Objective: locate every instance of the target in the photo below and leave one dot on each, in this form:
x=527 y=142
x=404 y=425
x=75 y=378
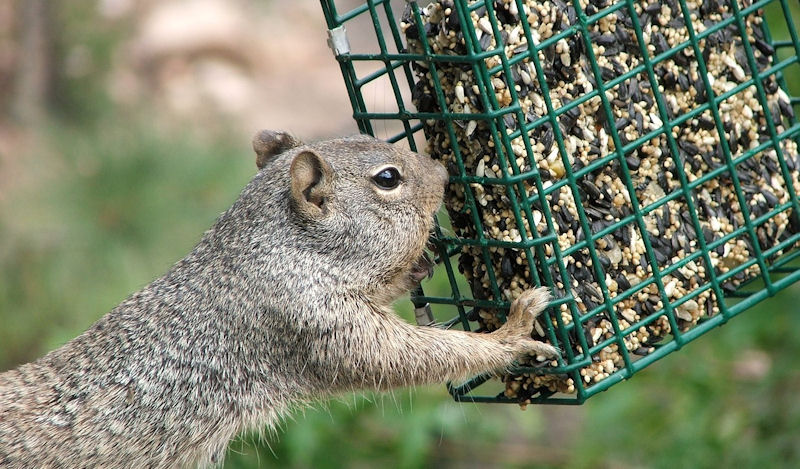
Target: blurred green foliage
x=115 y=204
x=118 y=197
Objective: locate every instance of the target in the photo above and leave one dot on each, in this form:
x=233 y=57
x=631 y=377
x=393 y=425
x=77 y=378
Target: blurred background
x=125 y=130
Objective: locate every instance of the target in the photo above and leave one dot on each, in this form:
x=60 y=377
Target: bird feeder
x=638 y=158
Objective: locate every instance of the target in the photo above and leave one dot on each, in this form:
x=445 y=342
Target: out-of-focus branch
x=33 y=77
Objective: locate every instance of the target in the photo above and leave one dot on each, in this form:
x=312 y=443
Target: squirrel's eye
x=387 y=178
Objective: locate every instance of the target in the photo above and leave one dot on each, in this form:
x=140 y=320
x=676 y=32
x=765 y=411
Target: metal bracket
x=337 y=41
x=424 y=315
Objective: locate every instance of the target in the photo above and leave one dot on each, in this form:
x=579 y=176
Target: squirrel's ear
x=269 y=143
x=311 y=183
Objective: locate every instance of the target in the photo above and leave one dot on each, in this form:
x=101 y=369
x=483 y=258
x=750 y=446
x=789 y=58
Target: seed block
x=625 y=156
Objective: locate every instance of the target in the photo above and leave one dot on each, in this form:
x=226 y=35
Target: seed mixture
x=604 y=194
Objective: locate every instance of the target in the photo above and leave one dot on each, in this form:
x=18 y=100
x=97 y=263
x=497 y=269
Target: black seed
x=506 y=267
x=734 y=146
x=709 y=160
x=662 y=224
x=786 y=108
x=606 y=200
x=571 y=15
x=477 y=287
x=764 y=47
x=520 y=49
x=772 y=200
x=502 y=13
x=683 y=81
x=681 y=59
x=622 y=36
x=582 y=275
x=593 y=292
x=503 y=37
x=510 y=121
x=452 y=21
x=659 y=41
x=770 y=85
x=644 y=19
x=579 y=234
x=622 y=281
x=591 y=189
x=547 y=140
x=486 y=41
x=668 y=79
x=705 y=123
x=633 y=90
x=423 y=100
x=661 y=255
x=688 y=147
x=677 y=22
x=639 y=123
x=593 y=213
x=699 y=86
x=708 y=7
x=412 y=32
x=771 y=166
x=574 y=112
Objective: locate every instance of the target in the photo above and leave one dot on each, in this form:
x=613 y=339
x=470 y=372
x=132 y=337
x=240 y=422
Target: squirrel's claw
x=520 y=319
x=535 y=347
x=422 y=268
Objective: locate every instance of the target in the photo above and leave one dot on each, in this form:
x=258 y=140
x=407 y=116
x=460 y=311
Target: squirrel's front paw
x=422 y=268
x=519 y=324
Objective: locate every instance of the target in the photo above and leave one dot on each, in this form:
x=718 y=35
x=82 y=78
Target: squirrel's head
x=362 y=201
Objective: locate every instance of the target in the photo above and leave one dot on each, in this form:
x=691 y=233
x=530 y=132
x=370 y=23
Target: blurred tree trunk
x=34 y=71
x=8 y=52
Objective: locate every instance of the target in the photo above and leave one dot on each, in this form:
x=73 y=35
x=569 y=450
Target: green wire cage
x=640 y=159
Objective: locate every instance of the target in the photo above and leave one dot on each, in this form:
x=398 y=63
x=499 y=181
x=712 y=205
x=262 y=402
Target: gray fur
x=275 y=306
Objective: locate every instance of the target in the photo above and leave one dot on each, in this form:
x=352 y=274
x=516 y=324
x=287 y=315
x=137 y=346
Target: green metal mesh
x=388 y=63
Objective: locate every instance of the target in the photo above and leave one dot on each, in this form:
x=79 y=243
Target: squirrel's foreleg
x=403 y=355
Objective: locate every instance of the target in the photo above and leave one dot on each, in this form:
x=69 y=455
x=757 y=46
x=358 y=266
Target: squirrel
x=285 y=300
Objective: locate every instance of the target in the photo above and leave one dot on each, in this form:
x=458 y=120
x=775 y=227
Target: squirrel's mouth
x=422 y=268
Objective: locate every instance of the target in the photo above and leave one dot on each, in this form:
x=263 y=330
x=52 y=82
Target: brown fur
x=286 y=299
